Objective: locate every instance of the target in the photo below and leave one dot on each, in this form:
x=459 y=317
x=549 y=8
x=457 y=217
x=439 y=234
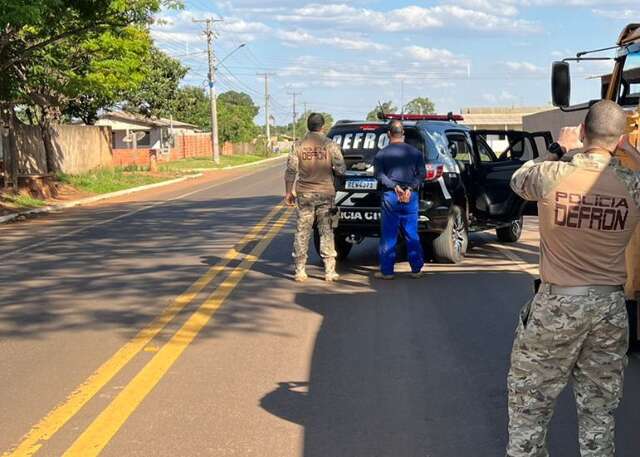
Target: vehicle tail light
x=434 y=172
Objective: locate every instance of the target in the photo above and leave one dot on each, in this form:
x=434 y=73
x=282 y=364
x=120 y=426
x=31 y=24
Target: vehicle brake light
x=425 y=117
x=434 y=172
x=370 y=127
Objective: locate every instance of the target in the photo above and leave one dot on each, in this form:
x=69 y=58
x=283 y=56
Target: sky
x=344 y=57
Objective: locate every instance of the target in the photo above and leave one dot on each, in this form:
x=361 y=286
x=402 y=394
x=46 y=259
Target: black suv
x=466 y=186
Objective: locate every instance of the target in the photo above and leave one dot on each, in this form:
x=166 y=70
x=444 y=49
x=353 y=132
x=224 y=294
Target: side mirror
x=561 y=84
x=453 y=149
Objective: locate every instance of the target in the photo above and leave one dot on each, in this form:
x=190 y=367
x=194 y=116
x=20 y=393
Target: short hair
x=396 y=128
x=605 y=123
x=315 y=122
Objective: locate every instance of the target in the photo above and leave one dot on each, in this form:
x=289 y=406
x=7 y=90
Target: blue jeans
x=401 y=217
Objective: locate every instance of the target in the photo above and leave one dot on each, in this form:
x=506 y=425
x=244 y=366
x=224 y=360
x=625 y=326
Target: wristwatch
x=557 y=149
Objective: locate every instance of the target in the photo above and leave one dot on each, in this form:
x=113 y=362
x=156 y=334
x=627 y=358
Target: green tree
x=387 y=107
x=116 y=66
x=420 y=105
x=50 y=49
x=158 y=92
x=236 y=113
x=192 y=105
x=301 y=124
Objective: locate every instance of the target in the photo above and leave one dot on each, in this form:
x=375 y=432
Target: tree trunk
x=47 y=139
x=11 y=154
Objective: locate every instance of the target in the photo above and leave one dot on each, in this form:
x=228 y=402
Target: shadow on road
x=119 y=275
x=418 y=368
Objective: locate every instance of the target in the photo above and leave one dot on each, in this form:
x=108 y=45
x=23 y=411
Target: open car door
x=497 y=155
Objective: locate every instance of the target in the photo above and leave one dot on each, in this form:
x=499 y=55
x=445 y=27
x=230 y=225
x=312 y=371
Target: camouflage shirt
x=314 y=160
x=588 y=210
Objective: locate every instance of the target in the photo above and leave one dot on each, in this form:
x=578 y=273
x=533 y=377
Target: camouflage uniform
x=311 y=208
x=314 y=160
x=582 y=338
x=559 y=338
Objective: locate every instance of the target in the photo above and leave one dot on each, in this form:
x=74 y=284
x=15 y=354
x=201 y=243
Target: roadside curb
x=96 y=198
x=235 y=167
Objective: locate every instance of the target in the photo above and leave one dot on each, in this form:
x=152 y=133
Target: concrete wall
x=77 y=149
x=80 y=148
x=83 y=148
x=553 y=121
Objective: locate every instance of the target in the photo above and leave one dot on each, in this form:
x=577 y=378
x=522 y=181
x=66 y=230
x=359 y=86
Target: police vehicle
x=466 y=185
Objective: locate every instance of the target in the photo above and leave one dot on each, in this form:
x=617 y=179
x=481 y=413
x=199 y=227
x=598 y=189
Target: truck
x=622 y=86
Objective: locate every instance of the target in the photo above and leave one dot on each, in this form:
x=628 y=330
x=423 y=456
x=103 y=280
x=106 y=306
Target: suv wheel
x=342 y=247
x=511 y=233
x=451 y=245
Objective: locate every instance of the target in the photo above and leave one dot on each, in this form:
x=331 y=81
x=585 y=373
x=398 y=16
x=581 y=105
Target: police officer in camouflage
x=314 y=160
x=575 y=328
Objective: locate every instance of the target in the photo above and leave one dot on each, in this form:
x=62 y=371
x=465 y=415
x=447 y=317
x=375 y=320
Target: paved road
x=136 y=329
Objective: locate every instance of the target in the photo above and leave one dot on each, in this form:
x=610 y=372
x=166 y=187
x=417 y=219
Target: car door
x=494 y=199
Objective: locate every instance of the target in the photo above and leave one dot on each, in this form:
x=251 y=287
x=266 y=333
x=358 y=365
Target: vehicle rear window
x=364 y=142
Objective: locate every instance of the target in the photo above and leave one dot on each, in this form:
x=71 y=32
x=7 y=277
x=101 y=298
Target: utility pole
x=402 y=98
x=266 y=106
x=294 y=94
x=210 y=34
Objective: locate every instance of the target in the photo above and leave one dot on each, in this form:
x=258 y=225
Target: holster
x=334 y=215
x=536 y=285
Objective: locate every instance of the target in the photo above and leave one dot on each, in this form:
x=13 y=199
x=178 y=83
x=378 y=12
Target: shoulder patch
x=631 y=181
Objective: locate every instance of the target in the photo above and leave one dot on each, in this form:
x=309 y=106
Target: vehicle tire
x=511 y=233
x=342 y=247
x=451 y=245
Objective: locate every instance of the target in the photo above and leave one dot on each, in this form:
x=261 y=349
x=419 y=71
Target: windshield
x=630 y=93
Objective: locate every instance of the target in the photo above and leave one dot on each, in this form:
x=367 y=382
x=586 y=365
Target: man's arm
x=420 y=171
x=290 y=174
x=337 y=160
x=537 y=178
x=380 y=174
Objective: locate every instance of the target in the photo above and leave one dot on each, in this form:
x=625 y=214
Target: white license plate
x=361 y=184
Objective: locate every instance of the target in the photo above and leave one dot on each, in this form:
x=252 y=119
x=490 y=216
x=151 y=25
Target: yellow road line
x=61 y=414
x=98 y=434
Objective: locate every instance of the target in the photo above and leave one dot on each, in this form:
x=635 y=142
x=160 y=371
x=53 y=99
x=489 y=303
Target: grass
x=112 y=180
x=195 y=163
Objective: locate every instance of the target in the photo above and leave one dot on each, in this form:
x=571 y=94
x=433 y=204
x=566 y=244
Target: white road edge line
x=122 y=216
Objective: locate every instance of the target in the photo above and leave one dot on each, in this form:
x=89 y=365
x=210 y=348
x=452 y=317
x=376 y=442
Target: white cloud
x=619 y=14
x=497 y=7
x=435 y=57
x=178 y=27
x=524 y=68
x=408 y=18
x=301 y=37
x=503 y=97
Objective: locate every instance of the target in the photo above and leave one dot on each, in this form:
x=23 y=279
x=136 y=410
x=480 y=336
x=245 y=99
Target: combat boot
x=330 y=274
x=301 y=274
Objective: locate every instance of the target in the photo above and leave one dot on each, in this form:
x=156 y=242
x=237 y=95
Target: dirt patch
x=37 y=193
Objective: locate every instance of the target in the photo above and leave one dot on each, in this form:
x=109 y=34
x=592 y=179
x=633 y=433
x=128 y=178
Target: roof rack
x=425 y=117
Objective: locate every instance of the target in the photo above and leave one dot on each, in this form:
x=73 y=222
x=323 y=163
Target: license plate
x=361 y=184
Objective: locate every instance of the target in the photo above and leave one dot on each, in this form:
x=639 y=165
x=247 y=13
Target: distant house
x=134 y=131
x=498 y=119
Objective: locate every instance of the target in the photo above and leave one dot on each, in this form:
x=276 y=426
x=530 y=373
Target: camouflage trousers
x=314 y=208
x=562 y=338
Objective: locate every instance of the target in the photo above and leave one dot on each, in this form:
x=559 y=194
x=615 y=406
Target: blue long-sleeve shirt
x=399 y=164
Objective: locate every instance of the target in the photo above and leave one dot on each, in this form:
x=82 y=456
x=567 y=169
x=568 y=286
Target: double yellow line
x=105 y=426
